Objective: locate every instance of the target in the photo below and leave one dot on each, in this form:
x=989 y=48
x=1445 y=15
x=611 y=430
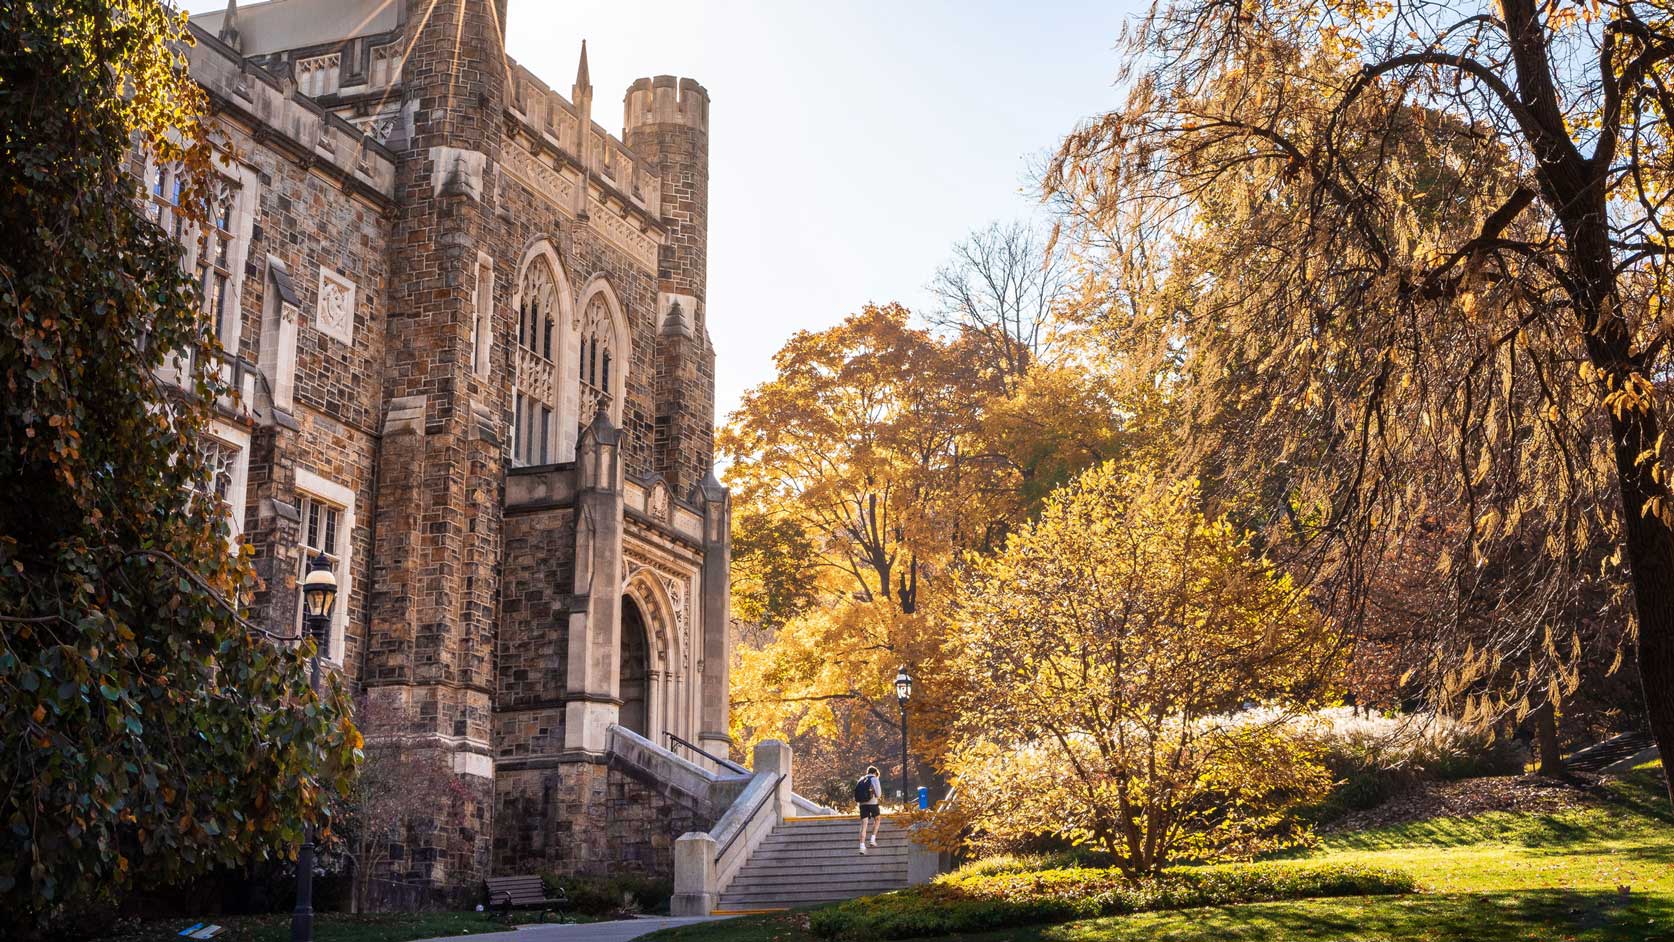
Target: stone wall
x=595 y=817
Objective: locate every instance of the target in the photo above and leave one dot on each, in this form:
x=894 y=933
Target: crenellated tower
x=666 y=120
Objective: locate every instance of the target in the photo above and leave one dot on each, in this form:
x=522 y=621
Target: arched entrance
x=635 y=670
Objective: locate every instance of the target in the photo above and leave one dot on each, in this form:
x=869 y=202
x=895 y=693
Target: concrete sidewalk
x=617 y=931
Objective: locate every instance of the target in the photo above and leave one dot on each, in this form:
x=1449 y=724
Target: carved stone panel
x=334 y=312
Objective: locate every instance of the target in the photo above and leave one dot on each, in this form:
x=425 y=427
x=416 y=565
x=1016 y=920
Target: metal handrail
x=750 y=816
x=725 y=763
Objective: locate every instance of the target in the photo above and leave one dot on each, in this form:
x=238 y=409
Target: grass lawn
x=1597 y=874
x=328 y=927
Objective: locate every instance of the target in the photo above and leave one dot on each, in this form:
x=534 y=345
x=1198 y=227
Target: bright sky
x=851 y=143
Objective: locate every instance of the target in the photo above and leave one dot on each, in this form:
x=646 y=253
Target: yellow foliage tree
x=879 y=454
x=1104 y=657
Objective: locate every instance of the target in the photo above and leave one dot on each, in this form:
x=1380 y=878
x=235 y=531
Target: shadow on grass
x=1487 y=917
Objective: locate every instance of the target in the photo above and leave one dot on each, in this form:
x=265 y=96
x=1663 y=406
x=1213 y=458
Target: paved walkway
x=617 y=931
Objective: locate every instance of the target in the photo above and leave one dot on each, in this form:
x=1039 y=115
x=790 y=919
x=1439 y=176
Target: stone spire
x=581 y=95
x=581 y=78
x=229 y=29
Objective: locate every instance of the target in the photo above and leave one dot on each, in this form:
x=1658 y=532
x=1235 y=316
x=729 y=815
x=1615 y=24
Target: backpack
x=863 y=791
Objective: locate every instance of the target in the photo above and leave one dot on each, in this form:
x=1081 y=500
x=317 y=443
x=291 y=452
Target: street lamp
x=319 y=594
x=903 y=693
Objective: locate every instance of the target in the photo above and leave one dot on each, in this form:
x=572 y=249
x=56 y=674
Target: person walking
x=868 y=792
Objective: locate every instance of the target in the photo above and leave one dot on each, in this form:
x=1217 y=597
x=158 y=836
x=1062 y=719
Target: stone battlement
x=294 y=121
x=666 y=100
x=553 y=117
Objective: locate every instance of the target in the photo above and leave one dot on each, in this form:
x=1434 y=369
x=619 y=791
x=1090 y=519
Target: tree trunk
x=1546 y=740
x=1650 y=552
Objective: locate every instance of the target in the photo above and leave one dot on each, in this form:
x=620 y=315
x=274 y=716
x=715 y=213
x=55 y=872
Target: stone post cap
x=772 y=755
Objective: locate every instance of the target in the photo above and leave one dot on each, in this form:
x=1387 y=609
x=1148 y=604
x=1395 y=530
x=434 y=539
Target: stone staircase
x=1599 y=756
x=814 y=860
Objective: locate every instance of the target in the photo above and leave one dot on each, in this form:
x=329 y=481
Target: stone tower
x=667 y=120
x=431 y=645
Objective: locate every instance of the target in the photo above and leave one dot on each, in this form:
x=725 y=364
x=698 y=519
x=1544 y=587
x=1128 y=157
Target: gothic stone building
x=468 y=323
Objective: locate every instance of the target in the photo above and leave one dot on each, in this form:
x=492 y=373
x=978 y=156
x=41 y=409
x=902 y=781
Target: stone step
x=792 y=853
x=827 y=879
x=804 y=895
x=814 y=868
x=781 y=900
x=889 y=821
x=829 y=840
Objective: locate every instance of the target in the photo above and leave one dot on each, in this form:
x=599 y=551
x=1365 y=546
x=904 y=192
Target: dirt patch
x=1531 y=794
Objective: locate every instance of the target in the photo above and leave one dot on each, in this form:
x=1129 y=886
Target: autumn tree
x=150 y=732
x=851 y=457
x=882 y=450
x=1419 y=248
x=1103 y=656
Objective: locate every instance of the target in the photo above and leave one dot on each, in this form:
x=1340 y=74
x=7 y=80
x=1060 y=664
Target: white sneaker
x=874 y=840
x=863 y=848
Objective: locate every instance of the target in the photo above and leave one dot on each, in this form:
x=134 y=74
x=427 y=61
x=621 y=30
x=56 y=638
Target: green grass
x=1493 y=878
x=1627 y=840
x=328 y=927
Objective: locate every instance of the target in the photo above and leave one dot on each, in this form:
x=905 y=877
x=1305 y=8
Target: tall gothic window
x=215 y=266
x=594 y=370
x=535 y=397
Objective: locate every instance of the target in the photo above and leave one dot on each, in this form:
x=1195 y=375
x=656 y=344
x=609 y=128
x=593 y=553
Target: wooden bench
x=523 y=892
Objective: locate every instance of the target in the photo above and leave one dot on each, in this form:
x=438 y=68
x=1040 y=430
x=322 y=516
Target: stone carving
x=656 y=502
x=676 y=584
x=536 y=175
x=516 y=159
x=334 y=313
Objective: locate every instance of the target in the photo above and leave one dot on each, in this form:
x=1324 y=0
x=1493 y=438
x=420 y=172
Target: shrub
x=1406 y=747
x=981 y=898
x=628 y=894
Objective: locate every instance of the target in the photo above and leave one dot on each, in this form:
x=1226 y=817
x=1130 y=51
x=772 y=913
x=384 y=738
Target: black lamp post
x=903 y=693
x=319 y=594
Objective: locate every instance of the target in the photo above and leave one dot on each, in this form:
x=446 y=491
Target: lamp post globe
x=319 y=596
x=903 y=693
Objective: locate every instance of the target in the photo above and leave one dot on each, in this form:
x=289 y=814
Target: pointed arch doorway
x=634 y=670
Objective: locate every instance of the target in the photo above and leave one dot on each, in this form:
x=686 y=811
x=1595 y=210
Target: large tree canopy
x=149 y=733
x=1405 y=260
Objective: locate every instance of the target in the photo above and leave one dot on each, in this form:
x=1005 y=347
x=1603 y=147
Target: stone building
x=468 y=324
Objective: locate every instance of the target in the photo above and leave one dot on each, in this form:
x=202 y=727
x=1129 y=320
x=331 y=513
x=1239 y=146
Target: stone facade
x=469 y=324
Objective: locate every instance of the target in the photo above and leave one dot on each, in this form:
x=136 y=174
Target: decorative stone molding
x=334 y=311
x=558 y=188
x=537 y=175
x=457 y=172
x=623 y=234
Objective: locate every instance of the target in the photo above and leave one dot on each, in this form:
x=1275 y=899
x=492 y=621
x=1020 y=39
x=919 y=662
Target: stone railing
x=706 y=861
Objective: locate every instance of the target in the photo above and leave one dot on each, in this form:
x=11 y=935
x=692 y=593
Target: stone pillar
x=592 y=685
x=715 y=617
x=923 y=863
x=429 y=649
x=773 y=756
x=695 y=892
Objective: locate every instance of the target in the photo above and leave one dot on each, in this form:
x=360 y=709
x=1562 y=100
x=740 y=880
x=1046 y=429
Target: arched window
x=537 y=312
x=594 y=370
x=535 y=396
